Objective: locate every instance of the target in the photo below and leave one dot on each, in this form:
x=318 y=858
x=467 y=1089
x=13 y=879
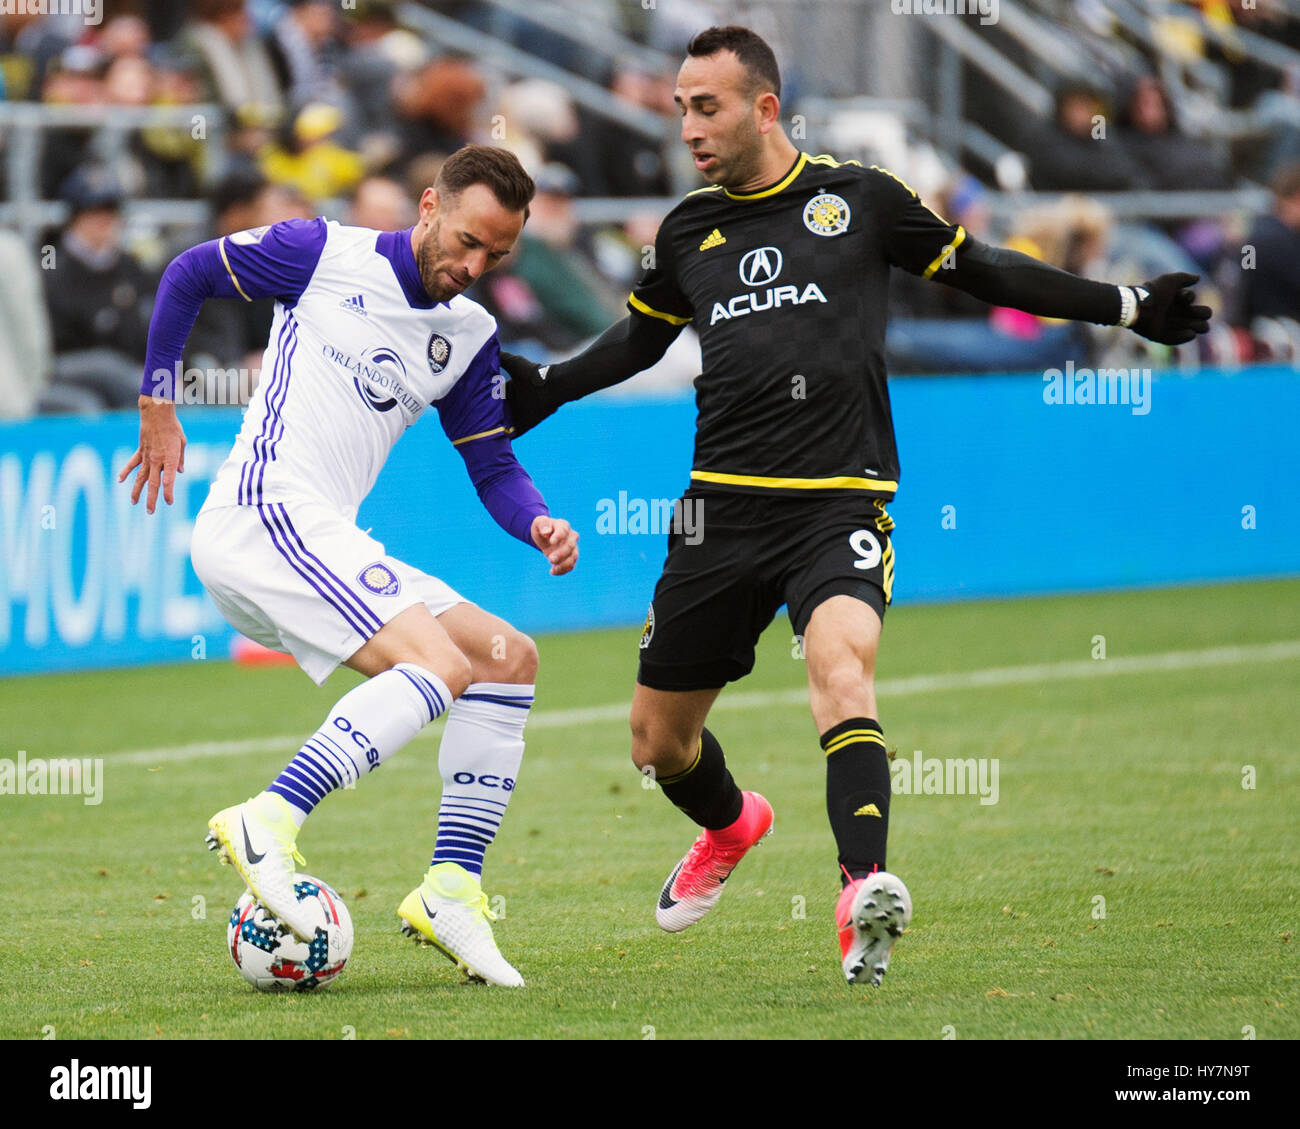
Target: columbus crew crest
x=826 y=214
x=648 y=631
x=439 y=353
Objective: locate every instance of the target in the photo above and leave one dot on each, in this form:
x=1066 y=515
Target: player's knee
x=455 y=670
x=843 y=682
x=656 y=746
x=518 y=660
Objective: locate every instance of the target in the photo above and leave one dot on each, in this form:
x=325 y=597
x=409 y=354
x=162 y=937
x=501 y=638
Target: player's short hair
x=498 y=169
x=749 y=47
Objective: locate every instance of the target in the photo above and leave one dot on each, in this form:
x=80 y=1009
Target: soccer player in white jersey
x=370 y=328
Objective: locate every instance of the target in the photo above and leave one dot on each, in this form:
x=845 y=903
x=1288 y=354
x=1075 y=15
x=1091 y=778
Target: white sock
x=479 y=758
x=366 y=727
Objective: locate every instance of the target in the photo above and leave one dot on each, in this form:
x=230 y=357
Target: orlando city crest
x=379 y=579
x=439 y=353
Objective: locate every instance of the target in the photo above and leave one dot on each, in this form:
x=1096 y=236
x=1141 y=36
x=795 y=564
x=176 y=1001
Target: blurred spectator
x=621 y=253
x=30 y=45
x=1168 y=159
x=172 y=158
x=159 y=161
x=383 y=204
x=302 y=49
x=24 y=331
x=540 y=120
x=437 y=106
x=75 y=79
x=613 y=160
x=423 y=172
x=548 y=291
x=99 y=297
x=377 y=48
x=1272 y=288
x=235 y=67
x=308 y=157
x=1080 y=150
x=124 y=37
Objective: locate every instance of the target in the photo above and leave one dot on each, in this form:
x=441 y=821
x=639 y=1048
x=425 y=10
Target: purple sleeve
x=266 y=262
x=473 y=415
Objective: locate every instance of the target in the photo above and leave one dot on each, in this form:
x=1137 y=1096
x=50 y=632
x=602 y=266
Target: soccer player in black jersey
x=782 y=265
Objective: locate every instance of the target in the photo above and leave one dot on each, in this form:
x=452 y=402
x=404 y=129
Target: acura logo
x=760 y=267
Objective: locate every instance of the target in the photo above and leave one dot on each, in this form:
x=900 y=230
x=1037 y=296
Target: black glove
x=1166 y=313
x=526 y=397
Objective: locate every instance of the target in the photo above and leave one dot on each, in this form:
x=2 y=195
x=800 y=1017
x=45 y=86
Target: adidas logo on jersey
x=356 y=304
x=715 y=238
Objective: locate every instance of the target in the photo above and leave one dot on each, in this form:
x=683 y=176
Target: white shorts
x=299 y=578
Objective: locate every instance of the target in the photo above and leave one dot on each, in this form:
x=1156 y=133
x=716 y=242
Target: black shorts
x=734 y=559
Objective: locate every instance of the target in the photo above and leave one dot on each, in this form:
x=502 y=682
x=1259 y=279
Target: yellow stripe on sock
x=699 y=752
x=852 y=737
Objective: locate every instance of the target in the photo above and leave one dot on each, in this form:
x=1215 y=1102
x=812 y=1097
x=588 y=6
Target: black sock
x=705 y=791
x=857 y=794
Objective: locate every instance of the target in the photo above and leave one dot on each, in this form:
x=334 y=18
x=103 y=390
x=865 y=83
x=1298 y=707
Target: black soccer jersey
x=787 y=288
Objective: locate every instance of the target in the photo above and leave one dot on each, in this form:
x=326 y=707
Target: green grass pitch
x=1136 y=877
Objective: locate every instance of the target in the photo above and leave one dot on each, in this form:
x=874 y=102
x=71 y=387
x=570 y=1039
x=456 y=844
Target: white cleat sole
x=880 y=912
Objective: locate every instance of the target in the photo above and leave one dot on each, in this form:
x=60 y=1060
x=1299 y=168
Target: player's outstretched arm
x=626 y=348
x=1162 y=310
x=267 y=262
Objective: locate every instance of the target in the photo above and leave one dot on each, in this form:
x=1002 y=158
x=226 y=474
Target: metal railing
x=591 y=33
x=590 y=95
x=23 y=128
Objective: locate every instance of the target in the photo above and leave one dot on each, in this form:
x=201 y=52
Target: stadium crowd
x=347 y=110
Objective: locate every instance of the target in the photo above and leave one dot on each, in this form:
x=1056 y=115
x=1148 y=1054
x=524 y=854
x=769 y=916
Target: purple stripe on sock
x=311 y=773
x=472 y=799
x=303 y=803
x=342 y=764
x=419 y=686
x=517 y=703
x=431 y=688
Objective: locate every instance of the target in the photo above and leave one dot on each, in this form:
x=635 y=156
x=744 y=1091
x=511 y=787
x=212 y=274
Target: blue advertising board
x=1009 y=487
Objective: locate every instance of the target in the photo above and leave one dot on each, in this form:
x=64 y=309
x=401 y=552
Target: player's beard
x=744 y=160
x=434 y=270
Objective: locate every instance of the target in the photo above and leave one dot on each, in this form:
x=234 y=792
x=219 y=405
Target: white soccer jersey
x=357 y=351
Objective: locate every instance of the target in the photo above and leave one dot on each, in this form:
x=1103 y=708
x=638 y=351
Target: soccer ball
x=273 y=959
